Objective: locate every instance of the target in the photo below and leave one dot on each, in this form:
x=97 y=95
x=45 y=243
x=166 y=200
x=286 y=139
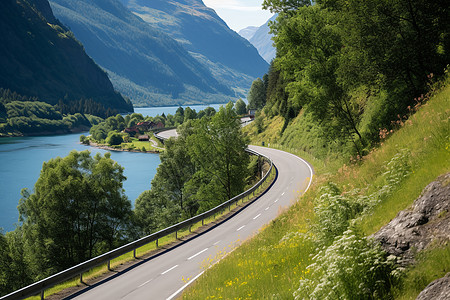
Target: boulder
x=426 y=222
x=437 y=290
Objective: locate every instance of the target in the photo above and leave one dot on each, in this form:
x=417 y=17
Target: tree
x=114 y=138
x=189 y=114
x=240 y=107
x=77 y=210
x=257 y=95
x=218 y=148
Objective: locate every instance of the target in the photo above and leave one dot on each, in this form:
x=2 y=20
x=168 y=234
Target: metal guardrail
x=78 y=270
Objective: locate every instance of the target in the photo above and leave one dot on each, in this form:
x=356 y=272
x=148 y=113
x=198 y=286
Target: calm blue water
x=154 y=111
x=21 y=161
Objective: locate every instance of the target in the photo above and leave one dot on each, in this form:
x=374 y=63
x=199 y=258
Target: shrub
x=351 y=268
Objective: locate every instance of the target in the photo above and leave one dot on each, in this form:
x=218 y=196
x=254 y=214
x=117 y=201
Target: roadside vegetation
x=319 y=247
x=359 y=91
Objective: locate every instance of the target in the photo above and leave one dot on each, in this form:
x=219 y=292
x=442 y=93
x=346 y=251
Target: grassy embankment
x=149 y=249
x=271 y=265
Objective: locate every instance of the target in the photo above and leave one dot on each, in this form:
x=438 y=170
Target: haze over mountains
x=40 y=58
x=163 y=53
x=261 y=38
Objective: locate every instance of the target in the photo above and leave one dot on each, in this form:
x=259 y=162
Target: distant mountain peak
x=261 y=38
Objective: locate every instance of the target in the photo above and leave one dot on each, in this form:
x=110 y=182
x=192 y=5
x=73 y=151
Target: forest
x=78 y=209
x=351 y=68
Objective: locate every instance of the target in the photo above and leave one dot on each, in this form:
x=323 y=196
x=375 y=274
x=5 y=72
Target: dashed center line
x=169 y=270
x=197 y=254
x=145 y=283
x=267 y=208
x=283 y=193
x=216 y=243
x=257 y=217
x=240 y=228
x=277 y=200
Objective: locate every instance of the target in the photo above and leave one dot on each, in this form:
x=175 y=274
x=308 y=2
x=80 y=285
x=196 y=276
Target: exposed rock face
x=437 y=290
x=427 y=221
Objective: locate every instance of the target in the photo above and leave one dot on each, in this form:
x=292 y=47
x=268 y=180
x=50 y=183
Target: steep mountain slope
x=261 y=38
x=248 y=32
x=232 y=59
x=40 y=58
x=144 y=63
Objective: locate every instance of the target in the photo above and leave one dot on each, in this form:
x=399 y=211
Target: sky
x=239 y=14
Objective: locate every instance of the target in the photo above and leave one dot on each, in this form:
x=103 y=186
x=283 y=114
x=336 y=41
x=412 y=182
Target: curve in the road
x=165 y=276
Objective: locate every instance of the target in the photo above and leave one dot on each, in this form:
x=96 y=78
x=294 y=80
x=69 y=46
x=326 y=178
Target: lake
x=21 y=161
x=154 y=111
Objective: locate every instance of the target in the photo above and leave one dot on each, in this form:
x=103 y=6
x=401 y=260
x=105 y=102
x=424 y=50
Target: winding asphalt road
x=165 y=276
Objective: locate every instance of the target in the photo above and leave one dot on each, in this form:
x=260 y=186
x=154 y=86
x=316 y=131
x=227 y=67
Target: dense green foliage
x=240 y=107
x=76 y=211
x=25 y=116
x=205 y=166
x=352 y=66
x=320 y=248
x=257 y=95
x=101 y=131
x=41 y=58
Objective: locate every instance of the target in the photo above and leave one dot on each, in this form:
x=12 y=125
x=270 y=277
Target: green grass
x=270 y=265
x=151 y=247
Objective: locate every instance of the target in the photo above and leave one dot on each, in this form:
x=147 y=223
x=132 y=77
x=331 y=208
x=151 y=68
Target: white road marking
x=267 y=208
x=169 y=270
x=184 y=286
x=276 y=200
x=216 y=243
x=283 y=194
x=240 y=228
x=197 y=254
x=257 y=217
x=145 y=283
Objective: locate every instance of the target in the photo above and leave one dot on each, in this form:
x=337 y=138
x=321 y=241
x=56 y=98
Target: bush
x=114 y=138
x=351 y=268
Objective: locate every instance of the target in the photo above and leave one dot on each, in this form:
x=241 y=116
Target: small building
x=144 y=138
x=146 y=126
x=252 y=113
x=131 y=130
x=160 y=125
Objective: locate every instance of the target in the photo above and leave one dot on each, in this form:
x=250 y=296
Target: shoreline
x=109 y=148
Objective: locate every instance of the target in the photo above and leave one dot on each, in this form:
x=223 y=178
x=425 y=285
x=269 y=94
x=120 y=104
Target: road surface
x=165 y=276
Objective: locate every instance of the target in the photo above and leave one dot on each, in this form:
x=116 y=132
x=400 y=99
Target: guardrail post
x=109 y=265
x=156 y=243
x=81 y=278
x=176 y=235
x=42 y=295
x=134 y=253
x=203 y=222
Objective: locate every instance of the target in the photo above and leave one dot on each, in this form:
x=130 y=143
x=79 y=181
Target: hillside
x=144 y=63
x=41 y=58
x=232 y=60
x=261 y=38
x=248 y=32
x=318 y=247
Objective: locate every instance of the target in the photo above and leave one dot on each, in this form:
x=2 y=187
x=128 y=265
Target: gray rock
x=437 y=290
x=414 y=229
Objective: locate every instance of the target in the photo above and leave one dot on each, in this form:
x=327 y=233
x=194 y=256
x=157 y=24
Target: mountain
x=231 y=58
x=40 y=58
x=262 y=40
x=248 y=32
x=144 y=63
